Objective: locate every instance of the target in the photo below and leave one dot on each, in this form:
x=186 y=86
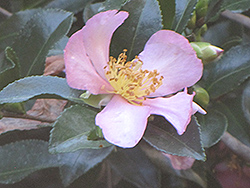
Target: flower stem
x=236 y=146
x=240 y=18
x=27 y=116
x=5 y=12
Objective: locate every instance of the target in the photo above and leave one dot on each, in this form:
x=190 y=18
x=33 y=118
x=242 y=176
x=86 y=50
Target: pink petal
x=122 y=123
x=97 y=34
x=176 y=109
x=197 y=108
x=80 y=72
x=172 y=55
x=180 y=162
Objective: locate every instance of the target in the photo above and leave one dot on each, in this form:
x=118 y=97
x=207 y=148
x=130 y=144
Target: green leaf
x=226 y=74
x=237 y=124
x=143 y=21
x=135 y=167
x=113 y=4
x=167 y=8
x=9 y=29
x=162 y=135
x=6 y=65
x=217 y=6
x=210 y=122
x=240 y=5
x=90 y=10
x=70 y=131
x=79 y=162
x=58 y=47
x=72 y=5
x=183 y=12
x=9 y=67
x=224 y=33
x=36 y=38
x=213 y=10
x=29 y=87
x=17 y=108
x=18 y=5
x=19 y=159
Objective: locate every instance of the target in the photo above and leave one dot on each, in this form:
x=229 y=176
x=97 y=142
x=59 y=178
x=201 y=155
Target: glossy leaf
x=135 y=167
x=20 y=159
x=213 y=125
x=240 y=5
x=6 y=65
x=18 y=5
x=113 y=4
x=36 y=38
x=79 y=162
x=237 y=125
x=91 y=9
x=72 y=5
x=9 y=28
x=217 y=6
x=213 y=10
x=58 y=47
x=183 y=12
x=167 y=8
x=29 y=87
x=71 y=130
x=143 y=21
x=226 y=74
x=9 y=67
x=225 y=34
x=161 y=135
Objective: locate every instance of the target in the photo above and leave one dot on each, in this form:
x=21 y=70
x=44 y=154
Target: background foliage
x=48 y=136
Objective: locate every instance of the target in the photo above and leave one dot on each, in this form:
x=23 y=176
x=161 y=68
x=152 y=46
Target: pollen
x=129 y=80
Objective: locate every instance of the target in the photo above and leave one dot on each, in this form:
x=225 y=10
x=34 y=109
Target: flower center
x=129 y=80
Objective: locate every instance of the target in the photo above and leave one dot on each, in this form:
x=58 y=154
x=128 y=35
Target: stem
x=240 y=18
x=5 y=12
x=236 y=146
x=27 y=116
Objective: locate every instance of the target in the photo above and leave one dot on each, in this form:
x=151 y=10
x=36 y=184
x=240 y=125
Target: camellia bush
x=125 y=93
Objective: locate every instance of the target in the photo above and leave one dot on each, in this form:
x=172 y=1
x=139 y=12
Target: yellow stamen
x=129 y=80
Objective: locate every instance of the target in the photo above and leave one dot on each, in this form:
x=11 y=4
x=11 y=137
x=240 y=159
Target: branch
x=236 y=146
x=27 y=116
x=5 y=12
x=240 y=18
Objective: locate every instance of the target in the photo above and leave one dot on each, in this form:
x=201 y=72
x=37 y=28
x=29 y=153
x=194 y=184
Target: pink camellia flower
x=167 y=64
